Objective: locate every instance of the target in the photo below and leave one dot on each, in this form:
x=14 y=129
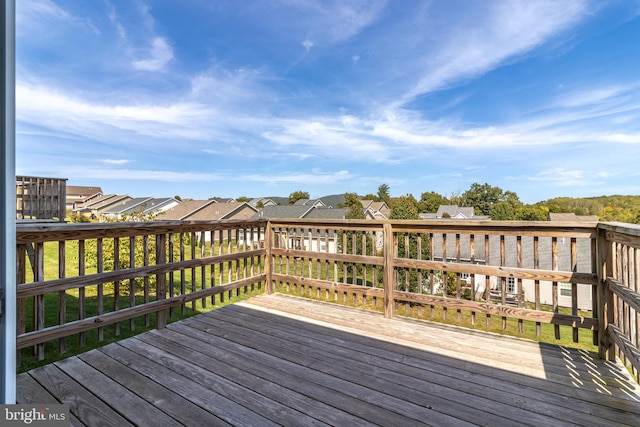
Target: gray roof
x=184 y=209
x=571 y=217
x=454 y=211
x=334 y=201
x=327 y=213
x=264 y=200
x=309 y=202
x=286 y=211
x=125 y=206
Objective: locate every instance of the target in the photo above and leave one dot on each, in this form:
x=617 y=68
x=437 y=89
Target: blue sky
x=203 y=98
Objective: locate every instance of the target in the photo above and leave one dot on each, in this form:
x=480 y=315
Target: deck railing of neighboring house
x=40 y=198
x=571 y=278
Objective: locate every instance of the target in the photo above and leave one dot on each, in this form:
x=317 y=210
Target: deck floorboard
x=282 y=360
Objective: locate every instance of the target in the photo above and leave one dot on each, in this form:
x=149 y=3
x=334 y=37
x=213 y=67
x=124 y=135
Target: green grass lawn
x=127 y=294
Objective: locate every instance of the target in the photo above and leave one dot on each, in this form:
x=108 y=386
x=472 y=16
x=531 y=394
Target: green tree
x=178 y=198
x=534 y=213
x=483 y=197
x=404 y=207
x=243 y=199
x=297 y=195
x=504 y=211
x=352 y=201
x=431 y=201
x=383 y=194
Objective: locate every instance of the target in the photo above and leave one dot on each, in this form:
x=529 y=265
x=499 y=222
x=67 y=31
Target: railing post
x=268 y=259
x=606 y=349
x=161 y=279
x=388 y=270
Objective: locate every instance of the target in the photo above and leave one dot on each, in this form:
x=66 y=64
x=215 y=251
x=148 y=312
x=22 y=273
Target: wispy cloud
x=156 y=58
x=314 y=178
x=496 y=36
x=115 y=161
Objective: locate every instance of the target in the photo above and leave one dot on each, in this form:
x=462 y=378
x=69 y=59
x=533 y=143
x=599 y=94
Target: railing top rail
x=39 y=232
x=27 y=177
x=446 y=223
x=621 y=227
x=538 y=228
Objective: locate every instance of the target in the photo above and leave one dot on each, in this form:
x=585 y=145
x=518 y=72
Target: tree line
x=495 y=203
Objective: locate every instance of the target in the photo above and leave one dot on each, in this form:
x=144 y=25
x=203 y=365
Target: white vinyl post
x=7 y=204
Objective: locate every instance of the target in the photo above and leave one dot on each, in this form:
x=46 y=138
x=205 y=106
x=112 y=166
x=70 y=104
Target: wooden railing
x=123 y=272
x=539 y=272
x=575 y=281
x=620 y=300
x=40 y=198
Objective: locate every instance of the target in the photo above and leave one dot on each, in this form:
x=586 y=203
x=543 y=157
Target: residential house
x=96 y=207
x=144 y=205
x=375 y=210
x=184 y=209
x=261 y=202
x=210 y=210
x=572 y=217
x=528 y=259
x=224 y=199
x=304 y=239
x=454 y=212
x=78 y=195
x=316 y=203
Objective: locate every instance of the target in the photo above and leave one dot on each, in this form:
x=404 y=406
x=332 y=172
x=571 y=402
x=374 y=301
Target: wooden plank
x=550 y=391
x=182 y=364
x=135 y=409
x=420 y=402
x=359 y=348
x=327 y=388
x=450 y=341
x=259 y=378
x=175 y=405
x=30 y=233
x=30 y=391
x=302 y=379
x=82 y=402
x=224 y=407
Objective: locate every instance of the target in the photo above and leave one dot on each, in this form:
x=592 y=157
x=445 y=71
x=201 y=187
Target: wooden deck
x=280 y=360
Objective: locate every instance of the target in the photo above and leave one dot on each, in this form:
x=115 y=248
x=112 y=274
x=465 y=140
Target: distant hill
x=335 y=200
x=606 y=208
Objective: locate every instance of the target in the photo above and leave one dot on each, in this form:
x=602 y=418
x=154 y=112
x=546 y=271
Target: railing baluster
x=100 y=292
x=116 y=283
x=62 y=295
x=81 y=290
x=132 y=281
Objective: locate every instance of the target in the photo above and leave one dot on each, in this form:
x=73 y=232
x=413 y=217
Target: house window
x=323 y=246
x=565 y=289
x=511 y=285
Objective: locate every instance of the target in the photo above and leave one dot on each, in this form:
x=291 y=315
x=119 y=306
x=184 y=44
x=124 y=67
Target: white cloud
x=500 y=33
x=560 y=177
x=157 y=58
x=35 y=16
x=314 y=178
x=115 y=161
